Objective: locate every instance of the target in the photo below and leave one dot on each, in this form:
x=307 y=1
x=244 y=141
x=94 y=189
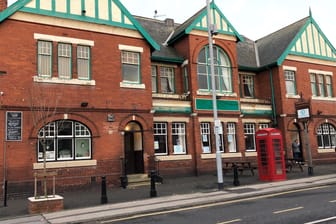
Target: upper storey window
x=222 y=73
x=63 y=60
x=130 y=66
x=321 y=85
x=44 y=58
x=290 y=82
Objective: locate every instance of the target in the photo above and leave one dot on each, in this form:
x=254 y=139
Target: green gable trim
x=138 y=26
x=310 y=42
x=223 y=24
x=52 y=12
x=222 y=105
x=162 y=109
x=199 y=22
x=12 y=9
x=166 y=59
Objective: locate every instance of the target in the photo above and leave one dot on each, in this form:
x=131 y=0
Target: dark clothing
x=296 y=151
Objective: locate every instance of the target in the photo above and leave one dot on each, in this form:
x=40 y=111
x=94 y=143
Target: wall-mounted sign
x=303 y=110
x=13 y=126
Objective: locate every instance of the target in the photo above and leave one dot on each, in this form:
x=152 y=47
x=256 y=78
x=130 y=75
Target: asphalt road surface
x=305 y=206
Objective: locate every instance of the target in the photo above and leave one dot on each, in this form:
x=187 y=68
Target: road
x=309 y=206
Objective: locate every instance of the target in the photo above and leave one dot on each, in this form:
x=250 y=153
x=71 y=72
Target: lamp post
x=218 y=128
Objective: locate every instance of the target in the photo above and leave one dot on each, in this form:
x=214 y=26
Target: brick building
x=106 y=93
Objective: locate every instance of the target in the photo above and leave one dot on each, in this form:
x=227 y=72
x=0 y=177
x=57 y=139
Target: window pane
x=64 y=128
x=62 y=141
x=82 y=148
x=64 y=148
x=178 y=137
x=44 y=58
x=202 y=77
x=160 y=138
x=64 y=61
x=205 y=137
x=222 y=67
x=290 y=82
x=328 y=86
x=48 y=145
x=313 y=84
x=248 y=86
x=154 y=79
x=130 y=66
x=167 y=80
x=83 y=62
x=249 y=132
x=231 y=132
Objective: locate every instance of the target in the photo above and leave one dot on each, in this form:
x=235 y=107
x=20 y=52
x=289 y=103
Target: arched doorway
x=133 y=148
x=295 y=134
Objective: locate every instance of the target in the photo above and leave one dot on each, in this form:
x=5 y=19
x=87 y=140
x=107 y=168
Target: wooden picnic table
x=241 y=166
x=292 y=163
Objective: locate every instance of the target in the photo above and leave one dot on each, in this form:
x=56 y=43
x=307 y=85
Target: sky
x=251 y=18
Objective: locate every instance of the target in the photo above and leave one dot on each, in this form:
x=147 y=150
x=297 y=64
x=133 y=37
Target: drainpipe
x=275 y=123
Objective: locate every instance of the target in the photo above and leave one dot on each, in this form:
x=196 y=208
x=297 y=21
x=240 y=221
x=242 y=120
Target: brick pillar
x=3 y=5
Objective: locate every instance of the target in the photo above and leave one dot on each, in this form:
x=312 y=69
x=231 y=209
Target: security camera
x=213 y=29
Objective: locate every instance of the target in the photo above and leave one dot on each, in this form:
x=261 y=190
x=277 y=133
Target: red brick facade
x=3 y=5
x=121 y=117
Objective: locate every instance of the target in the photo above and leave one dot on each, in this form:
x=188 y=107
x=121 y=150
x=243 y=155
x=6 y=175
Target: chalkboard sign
x=13 y=126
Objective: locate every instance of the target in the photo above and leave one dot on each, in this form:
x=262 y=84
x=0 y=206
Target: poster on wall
x=13 y=126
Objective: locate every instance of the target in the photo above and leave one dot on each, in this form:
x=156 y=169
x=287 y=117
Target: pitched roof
x=160 y=32
x=271 y=47
x=247 y=56
x=199 y=22
x=302 y=38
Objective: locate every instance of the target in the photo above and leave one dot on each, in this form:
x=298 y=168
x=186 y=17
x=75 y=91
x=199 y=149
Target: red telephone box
x=271 y=160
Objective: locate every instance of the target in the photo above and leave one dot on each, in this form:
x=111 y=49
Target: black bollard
x=103 y=198
x=310 y=171
x=153 y=192
x=235 y=175
x=5 y=193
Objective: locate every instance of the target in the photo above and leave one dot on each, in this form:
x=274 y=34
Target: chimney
x=3 y=5
x=169 y=22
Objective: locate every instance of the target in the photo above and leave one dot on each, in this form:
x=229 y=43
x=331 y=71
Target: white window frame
x=231 y=135
x=326 y=131
x=160 y=129
x=205 y=137
x=249 y=133
x=83 y=62
x=179 y=138
x=52 y=133
x=44 y=58
x=167 y=79
x=290 y=82
x=130 y=59
x=64 y=51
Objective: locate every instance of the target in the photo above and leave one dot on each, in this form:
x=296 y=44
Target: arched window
x=326 y=136
x=223 y=73
x=64 y=140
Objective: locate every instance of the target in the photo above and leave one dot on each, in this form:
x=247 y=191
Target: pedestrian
x=296 y=150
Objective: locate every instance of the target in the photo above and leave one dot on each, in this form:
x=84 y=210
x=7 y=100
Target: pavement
x=85 y=205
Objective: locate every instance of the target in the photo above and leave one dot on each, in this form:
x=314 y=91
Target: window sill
x=132 y=85
x=65 y=164
x=327 y=150
x=56 y=80
x=173 y=157
x=208 y=93
x=323 y=98
x=292 y=96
